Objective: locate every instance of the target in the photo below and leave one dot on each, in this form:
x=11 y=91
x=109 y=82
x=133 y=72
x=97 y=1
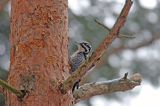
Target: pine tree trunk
x=39 y=52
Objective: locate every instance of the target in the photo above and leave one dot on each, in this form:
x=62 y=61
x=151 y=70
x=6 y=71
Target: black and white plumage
x=78 y=58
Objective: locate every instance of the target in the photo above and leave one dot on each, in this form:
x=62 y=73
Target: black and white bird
x=78 y=58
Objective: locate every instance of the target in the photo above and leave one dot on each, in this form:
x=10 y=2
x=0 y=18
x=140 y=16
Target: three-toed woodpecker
x=78 y=58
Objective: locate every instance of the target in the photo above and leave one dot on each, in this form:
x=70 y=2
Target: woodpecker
x=78 y=58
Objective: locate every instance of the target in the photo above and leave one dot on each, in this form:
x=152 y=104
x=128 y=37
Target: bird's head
x=84 y=47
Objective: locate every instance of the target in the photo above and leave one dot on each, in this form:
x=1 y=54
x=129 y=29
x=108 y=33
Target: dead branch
x=97 y=88
x=5 y=85
x=120 y=35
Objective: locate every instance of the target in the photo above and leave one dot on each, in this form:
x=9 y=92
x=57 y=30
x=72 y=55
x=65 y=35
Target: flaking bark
x=39 y=52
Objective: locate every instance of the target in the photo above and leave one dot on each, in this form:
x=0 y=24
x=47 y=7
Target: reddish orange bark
x=39 y=52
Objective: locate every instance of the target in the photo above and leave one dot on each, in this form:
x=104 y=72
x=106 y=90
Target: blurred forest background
x=140 y=54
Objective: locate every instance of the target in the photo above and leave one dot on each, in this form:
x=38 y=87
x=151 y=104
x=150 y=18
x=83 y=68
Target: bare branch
x=95 y=57
x=97 y=88
x=102 y=25
x=120 y=35
x=5 y=85
x=122 y=47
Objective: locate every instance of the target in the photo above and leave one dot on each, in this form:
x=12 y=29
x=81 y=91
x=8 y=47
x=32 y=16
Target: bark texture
x=39 y=52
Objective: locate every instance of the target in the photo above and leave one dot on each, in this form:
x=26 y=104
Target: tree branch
x=5 y=85
x=97 y=88
x=95 y=57
x=122 y=47
x=120 y=35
